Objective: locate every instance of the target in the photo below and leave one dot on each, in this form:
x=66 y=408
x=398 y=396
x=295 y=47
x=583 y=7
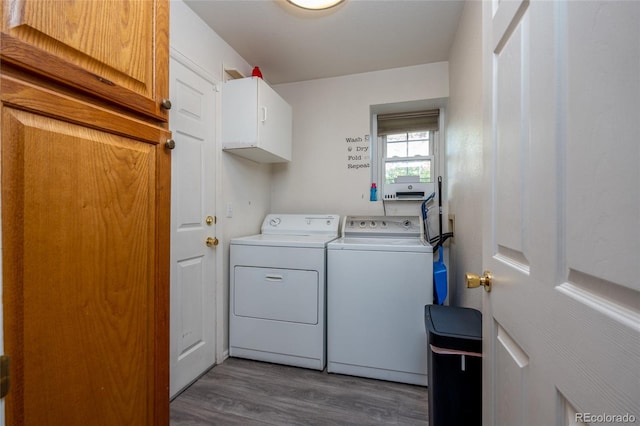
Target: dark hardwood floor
x=244 y=392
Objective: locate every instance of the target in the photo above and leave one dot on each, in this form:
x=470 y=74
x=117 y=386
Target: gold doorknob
x=211 y=241
x=474 y=280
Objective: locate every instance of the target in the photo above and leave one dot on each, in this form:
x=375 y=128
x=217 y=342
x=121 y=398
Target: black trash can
x=454 y=365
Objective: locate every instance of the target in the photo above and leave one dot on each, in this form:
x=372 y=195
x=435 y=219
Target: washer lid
x=381 y=244
x=272 y=240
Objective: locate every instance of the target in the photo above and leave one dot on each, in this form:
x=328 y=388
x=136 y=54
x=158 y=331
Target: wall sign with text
x=358 y=152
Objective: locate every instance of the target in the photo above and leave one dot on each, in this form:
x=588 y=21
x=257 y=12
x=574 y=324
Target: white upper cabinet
x=256 y=121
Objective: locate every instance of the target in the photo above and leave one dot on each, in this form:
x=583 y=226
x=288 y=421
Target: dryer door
x=276 y=294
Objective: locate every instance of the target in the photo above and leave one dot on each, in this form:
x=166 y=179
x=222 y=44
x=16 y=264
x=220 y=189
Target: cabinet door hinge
x=4 y=375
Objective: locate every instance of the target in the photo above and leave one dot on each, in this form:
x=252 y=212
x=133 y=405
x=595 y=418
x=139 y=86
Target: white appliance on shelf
x=278 y=290
x=410 y=191
x=380 y=277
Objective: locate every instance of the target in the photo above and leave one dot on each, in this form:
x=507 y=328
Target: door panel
x=511 y=379
x=192 y=262
x=602 y=153
x=189 y=284
x=507 y=232
x=103 y=47
x=80 y=298
x=511 y=149
x=562 y=211
x=600 y=289
x=189 y=177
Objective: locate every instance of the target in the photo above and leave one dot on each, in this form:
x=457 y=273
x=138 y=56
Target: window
x=407 y=146
x=408 y=154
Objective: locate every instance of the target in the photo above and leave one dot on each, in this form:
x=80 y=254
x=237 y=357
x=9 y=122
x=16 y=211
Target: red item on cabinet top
x=256 y=72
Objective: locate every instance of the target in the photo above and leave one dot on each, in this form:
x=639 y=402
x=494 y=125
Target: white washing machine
x=278 y=290
x=380 y=277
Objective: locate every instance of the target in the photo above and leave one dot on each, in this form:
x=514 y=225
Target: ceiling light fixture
x=315 y=4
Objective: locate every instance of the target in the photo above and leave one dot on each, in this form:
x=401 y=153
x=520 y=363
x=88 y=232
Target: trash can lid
x=453 y=327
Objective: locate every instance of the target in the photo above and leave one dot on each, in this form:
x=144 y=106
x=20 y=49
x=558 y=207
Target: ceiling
x=290 y=44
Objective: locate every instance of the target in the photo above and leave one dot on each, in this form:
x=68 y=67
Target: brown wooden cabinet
x=116 y=50
x=85 y=199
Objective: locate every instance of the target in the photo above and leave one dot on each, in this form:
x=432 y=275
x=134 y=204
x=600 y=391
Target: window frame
x=377 y=148
x=408 y=159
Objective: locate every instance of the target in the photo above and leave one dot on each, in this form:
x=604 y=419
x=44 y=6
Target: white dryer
x=278 y=290
x=380 y=279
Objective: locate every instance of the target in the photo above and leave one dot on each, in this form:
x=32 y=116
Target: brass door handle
x=211 y=241
x=474 y=280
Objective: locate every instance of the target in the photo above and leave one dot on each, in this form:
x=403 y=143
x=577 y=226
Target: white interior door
x=561 y=224
x=192 y=121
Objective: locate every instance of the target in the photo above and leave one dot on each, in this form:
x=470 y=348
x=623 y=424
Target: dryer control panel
x=382 y=226
x=301 y=224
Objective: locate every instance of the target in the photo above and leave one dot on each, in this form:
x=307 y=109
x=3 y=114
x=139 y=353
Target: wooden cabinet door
x=116 y=50
x=85 y=214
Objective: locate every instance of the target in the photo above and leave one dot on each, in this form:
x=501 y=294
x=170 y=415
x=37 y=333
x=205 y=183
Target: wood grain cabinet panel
x=85 y=211
x=115 y=50
x=85 y=193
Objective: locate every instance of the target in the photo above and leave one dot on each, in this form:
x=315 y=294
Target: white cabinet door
x=256 y=121
x=240 y=114
x=274 y=122
x=561 y=225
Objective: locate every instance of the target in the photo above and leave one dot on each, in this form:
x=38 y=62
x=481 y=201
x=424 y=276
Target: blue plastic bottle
x=374 y=192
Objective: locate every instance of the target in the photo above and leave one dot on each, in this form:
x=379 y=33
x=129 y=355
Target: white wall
x=325 y=113
x=464 y=155
x=241 y=184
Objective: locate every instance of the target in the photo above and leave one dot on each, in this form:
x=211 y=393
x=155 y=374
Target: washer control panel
x=382 y=226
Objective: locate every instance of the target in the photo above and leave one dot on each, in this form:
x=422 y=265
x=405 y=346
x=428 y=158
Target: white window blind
x=408 y=122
